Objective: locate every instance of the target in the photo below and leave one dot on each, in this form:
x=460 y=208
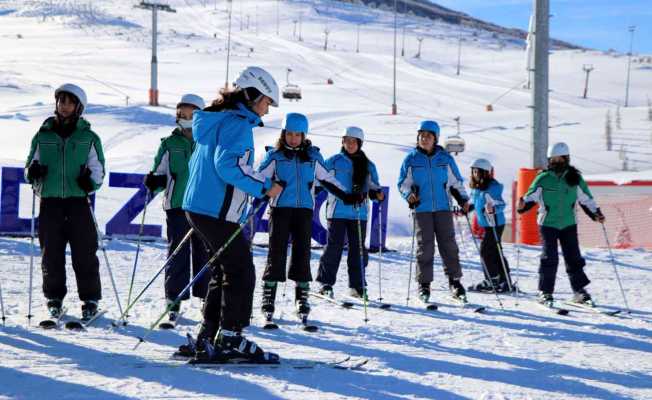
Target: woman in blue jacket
x=427 y=176
x=221 y=179
x=300 y=165
x=358 y=174
x=487 y=197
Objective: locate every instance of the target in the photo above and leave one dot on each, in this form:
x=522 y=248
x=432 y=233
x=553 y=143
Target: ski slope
x=521 y=352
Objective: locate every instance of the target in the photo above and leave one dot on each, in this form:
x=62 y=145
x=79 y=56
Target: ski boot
x=424 y=292
x=207 y=333
x=231 y=346
x=582 y=297
x=301 y=299
x=173 y=314
x=89 y=310
x=545 y=299
x=358 y=293
x=457 y=290
x=486 y=286
x=54 y=308
x=269 y=297
x=326 y=290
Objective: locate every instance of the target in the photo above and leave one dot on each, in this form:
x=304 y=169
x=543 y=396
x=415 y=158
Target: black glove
x=355 y=198
x=375 y=194
x=153 y=182
x=36 y=171
x=84 y=179
x=413 y=204
x=526 y=208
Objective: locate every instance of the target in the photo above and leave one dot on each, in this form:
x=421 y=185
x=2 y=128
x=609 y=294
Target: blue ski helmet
x=430 y=126
x=295 y=122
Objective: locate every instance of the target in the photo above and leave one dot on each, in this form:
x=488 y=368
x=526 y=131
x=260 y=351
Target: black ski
x=552 y=308
x=463 y=302
x=428 y=305
x=341 y=303
x=370 y=303
x=80 y=325
x=53 y=323
x=269 y=323
x=305 y=325
x=170 y=324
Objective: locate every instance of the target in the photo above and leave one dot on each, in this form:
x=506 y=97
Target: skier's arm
x=157 y=179
x=231 y=163
x=33 y=169
x=328 y=181
x=95 y=163
x=586 y=201
x=268 y=166
x=456 y=184
x=375 y=190
x=406 y=182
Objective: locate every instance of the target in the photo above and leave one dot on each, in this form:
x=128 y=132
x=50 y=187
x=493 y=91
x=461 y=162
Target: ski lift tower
x=155 y=7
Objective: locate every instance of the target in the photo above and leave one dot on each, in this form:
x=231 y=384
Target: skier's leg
x=444 y=229
x=279 y=232
x=301 y=229
x=549 y=259
x=52 y=239
x=353 y=256
x=82 y=235
x=329 y=262
x=199 y=257
x=573 y=258
x=425 y=232
x=177 y=274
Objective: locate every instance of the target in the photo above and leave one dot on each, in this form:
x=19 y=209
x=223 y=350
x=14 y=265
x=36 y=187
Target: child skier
x=487 y=198
x=556 y=190
x=170 y=172
x=65 y=165
x=295 y=161
x=427 y=175
x=358 y=174
x=221 y=179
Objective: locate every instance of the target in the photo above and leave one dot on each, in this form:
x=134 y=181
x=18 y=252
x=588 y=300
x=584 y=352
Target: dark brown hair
x=229 y=98
x=280 y=142
x=483 y=182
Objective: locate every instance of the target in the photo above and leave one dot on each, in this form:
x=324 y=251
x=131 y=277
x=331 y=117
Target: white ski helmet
x=558 y=149
x=354 y=132
x=192 y=100
x=75 y=91
x=483 y=164
x=260 y=79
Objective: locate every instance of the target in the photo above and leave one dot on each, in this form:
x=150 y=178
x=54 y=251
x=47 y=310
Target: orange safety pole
x=527 y=223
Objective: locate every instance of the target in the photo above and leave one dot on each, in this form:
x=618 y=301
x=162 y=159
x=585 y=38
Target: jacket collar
x=250 y=116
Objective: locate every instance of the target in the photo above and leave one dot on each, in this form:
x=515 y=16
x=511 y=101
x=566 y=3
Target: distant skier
x=427 y=176
x=64 y=166
x=358 y=174
x=220 y=182
x=487 y=197
x=557 y=190
x=295 y=161
x=170 y=172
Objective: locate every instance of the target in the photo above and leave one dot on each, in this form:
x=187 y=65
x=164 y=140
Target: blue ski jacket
x=432 y=177
x=221 y=176
x=492 y=196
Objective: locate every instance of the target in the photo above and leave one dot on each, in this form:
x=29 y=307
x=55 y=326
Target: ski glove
x=84 y=179
x=526 y=207
x=375 y=194
x=36 y=171
x=153 y=182
x=355 y=198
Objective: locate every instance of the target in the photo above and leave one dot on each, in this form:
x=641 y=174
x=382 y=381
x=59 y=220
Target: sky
x=599 y=24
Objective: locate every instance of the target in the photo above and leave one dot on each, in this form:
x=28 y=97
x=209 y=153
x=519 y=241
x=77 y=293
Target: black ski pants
x=490 y=254
x=177 y=274
x=62 y=222
x=570 y=248
x=283 y=223
x=338 y=230
x=231 y=288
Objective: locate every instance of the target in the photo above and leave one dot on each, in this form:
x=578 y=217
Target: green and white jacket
x=172 y=161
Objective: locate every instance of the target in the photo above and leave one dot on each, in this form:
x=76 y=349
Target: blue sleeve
x=232 y=160
x=496 y=193
x=405 y=180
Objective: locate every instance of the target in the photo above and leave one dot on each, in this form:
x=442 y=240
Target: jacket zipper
x=432 y=189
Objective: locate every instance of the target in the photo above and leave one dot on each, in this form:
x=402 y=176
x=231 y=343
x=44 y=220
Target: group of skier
x=205 y=169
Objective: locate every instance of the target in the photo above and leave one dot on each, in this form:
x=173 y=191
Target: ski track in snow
x=519 y=352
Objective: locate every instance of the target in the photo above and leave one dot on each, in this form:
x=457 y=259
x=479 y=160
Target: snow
x=521 y=352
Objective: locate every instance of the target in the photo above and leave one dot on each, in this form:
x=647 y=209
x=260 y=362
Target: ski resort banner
x=123 y=223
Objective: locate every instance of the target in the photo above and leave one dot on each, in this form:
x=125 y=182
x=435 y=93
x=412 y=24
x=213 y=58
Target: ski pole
x=106 y=258
x=140 y=236
x=484 y=266
x=198 y=276
x=31 y=260
x=362 y=268
x=167 y=262
x=613 y=263
x=380 y=251
x=515 y=225
x=2 y=306
x=414 y=232
x=500 y=252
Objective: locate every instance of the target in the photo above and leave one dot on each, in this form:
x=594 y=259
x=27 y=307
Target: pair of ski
x=73 y=324
x=303 y=319
x=350 y=301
